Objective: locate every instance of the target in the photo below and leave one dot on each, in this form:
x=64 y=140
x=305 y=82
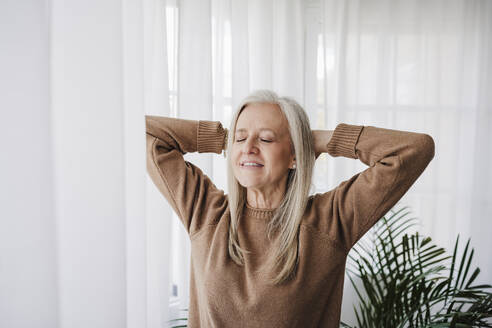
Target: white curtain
x=85 y=238
x=412 y=65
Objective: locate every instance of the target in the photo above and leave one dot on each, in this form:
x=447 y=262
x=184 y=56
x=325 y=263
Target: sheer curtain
x=412 y=65
x=87 y=240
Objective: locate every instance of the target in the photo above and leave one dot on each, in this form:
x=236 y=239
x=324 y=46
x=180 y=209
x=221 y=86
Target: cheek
x=234 y=156
x=281 y=156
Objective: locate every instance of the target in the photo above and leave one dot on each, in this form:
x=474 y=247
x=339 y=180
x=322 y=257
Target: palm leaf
x=408 y=281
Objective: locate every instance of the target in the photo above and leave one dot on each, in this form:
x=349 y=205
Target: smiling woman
x=281 y=185
x=262 y=155
x=268 y=254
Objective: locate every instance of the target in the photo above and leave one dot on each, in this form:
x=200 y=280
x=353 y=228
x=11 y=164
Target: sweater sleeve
x=191 y=193
x=395 y=159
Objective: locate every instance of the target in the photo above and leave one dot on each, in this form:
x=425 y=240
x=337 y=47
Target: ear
x=292 y=164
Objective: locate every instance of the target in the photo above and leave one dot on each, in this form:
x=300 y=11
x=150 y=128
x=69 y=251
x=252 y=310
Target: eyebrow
x=262 y=129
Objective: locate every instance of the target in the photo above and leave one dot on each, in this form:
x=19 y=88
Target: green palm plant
x=408 y=281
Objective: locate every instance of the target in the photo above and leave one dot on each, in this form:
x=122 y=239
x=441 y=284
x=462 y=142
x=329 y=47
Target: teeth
x=251 y=164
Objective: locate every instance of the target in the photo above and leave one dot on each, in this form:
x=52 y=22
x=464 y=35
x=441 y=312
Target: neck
x=264 y=199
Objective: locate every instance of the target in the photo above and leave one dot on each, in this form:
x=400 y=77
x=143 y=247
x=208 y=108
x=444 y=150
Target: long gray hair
x=287 y=217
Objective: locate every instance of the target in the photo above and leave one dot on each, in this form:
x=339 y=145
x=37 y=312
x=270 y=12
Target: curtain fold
x=410 y=65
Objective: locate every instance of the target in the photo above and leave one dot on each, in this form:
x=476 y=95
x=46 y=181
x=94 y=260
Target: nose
x=250 y=146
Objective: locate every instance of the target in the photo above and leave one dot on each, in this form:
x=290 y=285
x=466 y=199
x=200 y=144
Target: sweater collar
x=260 y=213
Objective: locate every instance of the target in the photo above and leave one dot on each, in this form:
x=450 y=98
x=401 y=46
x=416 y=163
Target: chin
x=246 y=183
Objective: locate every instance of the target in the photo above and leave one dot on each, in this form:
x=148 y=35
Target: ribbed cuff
x=211 y=137
x=344 y=139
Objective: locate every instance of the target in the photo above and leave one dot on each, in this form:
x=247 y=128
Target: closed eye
x=264 y=140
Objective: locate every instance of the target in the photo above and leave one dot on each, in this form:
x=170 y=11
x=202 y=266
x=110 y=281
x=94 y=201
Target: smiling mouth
x=251 y=166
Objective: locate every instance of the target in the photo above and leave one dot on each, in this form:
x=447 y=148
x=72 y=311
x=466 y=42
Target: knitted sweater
x=224 y=294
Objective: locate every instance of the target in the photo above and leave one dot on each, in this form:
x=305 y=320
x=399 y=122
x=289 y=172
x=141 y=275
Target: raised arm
x=395 y=159
x=191 y=193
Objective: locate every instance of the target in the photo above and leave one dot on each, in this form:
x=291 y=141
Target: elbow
x=151 y=126
x=148 y=123
x=427 y=147
x=150 y=145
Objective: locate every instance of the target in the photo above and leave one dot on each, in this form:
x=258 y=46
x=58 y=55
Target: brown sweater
x=224 y=294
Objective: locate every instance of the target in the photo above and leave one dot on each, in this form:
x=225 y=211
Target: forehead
x=262 y=117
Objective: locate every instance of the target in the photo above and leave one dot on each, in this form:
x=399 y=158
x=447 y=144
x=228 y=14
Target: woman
x=268 y=254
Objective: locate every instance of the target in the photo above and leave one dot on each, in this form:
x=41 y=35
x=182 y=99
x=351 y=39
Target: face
x=262 y=137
